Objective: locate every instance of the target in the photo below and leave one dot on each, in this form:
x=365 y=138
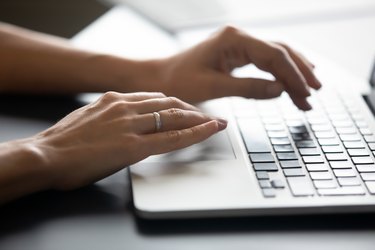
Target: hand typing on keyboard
x=93 y=137
x=208 y=67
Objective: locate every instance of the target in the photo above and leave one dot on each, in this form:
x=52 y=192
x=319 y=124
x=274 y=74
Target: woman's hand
x=118 y=130
x=203 y=72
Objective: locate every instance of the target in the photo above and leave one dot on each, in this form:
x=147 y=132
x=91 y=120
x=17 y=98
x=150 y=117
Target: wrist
x=119 y=74
x=24 y=169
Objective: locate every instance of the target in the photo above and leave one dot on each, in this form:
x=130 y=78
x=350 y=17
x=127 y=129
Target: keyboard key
x=361 y=124
x=275 y=127
x=317 y=167
x=339 y=117
x=265 y=166
x=277 y=183
x=269 y=192
x=298 y=129
x=368 y=176
x=321 y=128
x=328 y=142
x=290 y=164
x=288 y=172
x=352 y=190
x=326 y=135
x=262 y=157
x=321 y=176
x=366 y=168
x=351 y=181
x=300 y=186
x=254 y=136
x=365 y=131
x=305 y=144
x=286 y=156
x=362 y=160
x=271 y=119
x=277 y=134
x=313 y=159
x=353 y=137
x=344 y=173
x=340 y=164
x=336 y=157
x=370 y=186
x=352 y=144
x=332 y=149
x=369 y=138
x=325 y=184
x=318 y=120
x=342 y=124
x=295 y=123
x=280 y=141
x=309 y=151
x=262 y=175
x=265 y=184
x=300 y=137
x=371 y=146
x=283 y=148
x=358 y=152
x=343 y=131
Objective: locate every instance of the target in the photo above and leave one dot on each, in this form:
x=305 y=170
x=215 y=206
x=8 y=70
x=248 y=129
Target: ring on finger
x=158 y=123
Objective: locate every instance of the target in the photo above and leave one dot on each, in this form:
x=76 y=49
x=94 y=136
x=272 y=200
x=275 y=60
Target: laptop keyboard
x=324 y=152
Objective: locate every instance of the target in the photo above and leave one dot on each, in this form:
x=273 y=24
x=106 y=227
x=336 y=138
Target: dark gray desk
x=100 y=216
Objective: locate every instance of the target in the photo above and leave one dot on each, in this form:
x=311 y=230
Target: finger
x=171 y=119
x=278 y=62
x=158 y=104
x=246 y=87
x=140 y=96
x=164 y=142
x=111 y=96
x=305 y=66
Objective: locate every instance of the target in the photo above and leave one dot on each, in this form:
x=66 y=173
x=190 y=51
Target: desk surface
x=101 y=216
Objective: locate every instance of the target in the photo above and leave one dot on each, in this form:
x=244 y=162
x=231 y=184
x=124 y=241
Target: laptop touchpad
x=217 y=147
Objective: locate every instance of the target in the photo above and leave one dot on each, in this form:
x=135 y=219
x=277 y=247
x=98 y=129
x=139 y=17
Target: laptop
x=271 y=160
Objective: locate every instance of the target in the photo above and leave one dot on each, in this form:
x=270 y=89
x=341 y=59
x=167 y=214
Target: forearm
x=22 y=170
x=34 y=62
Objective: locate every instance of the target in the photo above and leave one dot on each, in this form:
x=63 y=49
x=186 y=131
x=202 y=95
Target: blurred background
x=342 y=30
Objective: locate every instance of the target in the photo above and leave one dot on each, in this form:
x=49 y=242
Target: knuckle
x=119 y=108
x=194 y=132
x=109 y=96
x=283 y=45
x=175 y=102
x=174 y=136
x=175 y=113
x=229 y=30
x=280 y=52
x=159 y=94
x=278 y=56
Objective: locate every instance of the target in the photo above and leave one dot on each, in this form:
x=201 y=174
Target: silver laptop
x=271 y=160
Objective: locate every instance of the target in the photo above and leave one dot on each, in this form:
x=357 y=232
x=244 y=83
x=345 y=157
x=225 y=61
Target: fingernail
x=307 y=106
x=222 y=123
x=318 y=84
